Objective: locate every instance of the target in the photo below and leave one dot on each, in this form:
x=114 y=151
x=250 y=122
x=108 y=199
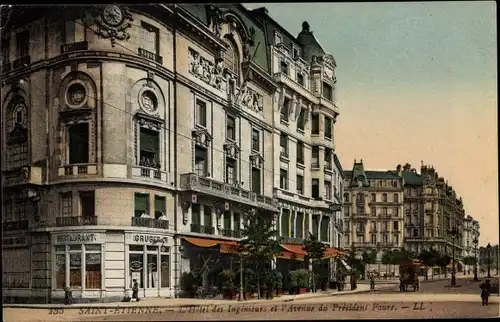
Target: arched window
x=346 y=197
x=374 y=197
x=17 y=133
x=232 y=59
x=396 y=197
x=384 y=197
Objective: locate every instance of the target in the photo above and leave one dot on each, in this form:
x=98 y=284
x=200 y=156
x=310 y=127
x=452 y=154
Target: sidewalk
x=172 y=303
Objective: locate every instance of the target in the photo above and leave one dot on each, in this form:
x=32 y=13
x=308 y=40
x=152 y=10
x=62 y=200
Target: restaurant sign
x=78 y=238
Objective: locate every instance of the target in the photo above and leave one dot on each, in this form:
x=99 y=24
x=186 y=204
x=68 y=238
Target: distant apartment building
x=373 y=210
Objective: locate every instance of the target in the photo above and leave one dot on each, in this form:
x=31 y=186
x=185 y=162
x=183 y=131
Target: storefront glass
x=145 y=269
x=84 y=269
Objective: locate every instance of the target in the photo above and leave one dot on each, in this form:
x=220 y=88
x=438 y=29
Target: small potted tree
x=300 y=280
x=226 y=283
x=278 y=282
x=189 y=283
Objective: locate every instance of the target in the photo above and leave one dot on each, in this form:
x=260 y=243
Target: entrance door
x=150 y=266
x=152 y=272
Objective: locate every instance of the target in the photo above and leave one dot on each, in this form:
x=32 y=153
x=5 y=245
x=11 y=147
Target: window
x=141 y=204
x=300 y=79
x=384 y=211
x=360 y=209
x=315 y=157
x=87 y=256
x=207 y=216
x=328 y=190
x=327 y=91
x=230 y=128
x=5 y=51
x=87 y=202
x=255 y=140
x=283 y=179
x=284 y=145
x=195 y=214
x=285 y=222
x=23 y=43
x=149 y=40
x=374 y=197
x=299 y=230
x=384 y=197
x=373 y=225
x=67 y=204
x=315 y=188
x=231 y=176
x=396 y=197
x=301 y=121
x=374 y=238
x=201 y=162
x=149 y=148
x=300 y=152
x=346 y=197
x=159 y=206
x=325 y=225
x=285 y=110
x=155 y=266
x=256 y=178
x=328 y=128
x=78 y=143
x=373 y=211
x=396 y=212
x=278 y=38
x=328 y=158
x=232 y=59
x=201 y=113
x=300 y=184
x=295 y=52
x=395 y=225
x=236 y=221
x=315 y=124
x=284 y=67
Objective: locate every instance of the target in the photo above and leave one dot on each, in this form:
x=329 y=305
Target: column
x=215 y=215
x=202 y=215
x=278 y=223
x=294 y=221
x=309 y=218
x=231 y=221
x=320 y=219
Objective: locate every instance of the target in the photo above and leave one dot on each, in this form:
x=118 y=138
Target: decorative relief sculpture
x=231 y=150
x=205 y=70
x=215 y=19
x=202 y=137
x=249 y=98
x=256 y=160
x=113 y=22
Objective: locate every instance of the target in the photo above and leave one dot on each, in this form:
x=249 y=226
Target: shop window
x=78 y=149
x=60 y=267
x=165 y=270
x=146 y=273
x=92 y=267
x=141 y=204
x=84 y=259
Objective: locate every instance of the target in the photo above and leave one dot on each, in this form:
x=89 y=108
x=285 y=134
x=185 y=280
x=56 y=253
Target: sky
x=417 y=81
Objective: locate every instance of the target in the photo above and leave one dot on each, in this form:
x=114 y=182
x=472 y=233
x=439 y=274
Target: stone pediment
x=201 y=137
x=257 y=160
x=149 y=121
x=232 y=149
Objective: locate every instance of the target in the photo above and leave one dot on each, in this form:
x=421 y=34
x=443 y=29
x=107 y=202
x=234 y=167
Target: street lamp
x=475 y=242
x=488 y=248
x=453 y=234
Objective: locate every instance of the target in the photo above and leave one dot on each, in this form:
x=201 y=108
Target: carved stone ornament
x=113 y=22
x=249 y=98
x=148 y=121
x=202 y=137
x=256 y=160
x=203 y=69
x=215 y=19
x=232 y=150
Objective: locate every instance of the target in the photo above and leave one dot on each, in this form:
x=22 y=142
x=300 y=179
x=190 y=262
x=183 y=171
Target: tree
x=369 y=257
x=387 y=259
x=443 y=261
x=259 y=244
x=315 y=251
x=429 y=258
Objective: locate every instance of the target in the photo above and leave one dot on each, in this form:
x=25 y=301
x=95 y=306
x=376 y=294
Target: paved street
x=435 y=299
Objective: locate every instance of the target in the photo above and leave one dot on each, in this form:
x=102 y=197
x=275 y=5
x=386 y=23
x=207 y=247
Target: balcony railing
x=23 y=61
x=231 y=233
x=150 y=222
x=284 y=154
x=76 y=170
x=76 y=46
x=151 y=56
x=76 y=221
x=149 y=173
x=328 y=167
x=15 y=225
x=197 y=228
x=191 y=181
x=290 y=240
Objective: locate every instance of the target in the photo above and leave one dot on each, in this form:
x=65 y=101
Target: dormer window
x=232 y=59
x=284 y=67
x=278 y=38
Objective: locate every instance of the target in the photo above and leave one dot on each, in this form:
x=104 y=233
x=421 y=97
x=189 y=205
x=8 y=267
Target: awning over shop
x=293 y=248
x=299 y=251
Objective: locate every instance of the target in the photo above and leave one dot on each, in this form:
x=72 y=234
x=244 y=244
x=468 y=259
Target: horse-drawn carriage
x=408 y=272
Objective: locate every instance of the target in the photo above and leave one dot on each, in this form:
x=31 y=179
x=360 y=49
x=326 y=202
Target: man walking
x=135 y=290
x=372 y=282
x=485 y=292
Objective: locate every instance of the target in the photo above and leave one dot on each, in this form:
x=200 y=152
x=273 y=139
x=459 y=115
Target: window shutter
x=141 y=202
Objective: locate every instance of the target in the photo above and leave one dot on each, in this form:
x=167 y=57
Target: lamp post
x=475 y=242
x=334 y=207
x=488 y=247
x=453 y=234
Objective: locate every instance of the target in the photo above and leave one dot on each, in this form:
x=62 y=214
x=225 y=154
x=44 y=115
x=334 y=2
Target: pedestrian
x=485 y=292
x=135 y=290
x=372 y=282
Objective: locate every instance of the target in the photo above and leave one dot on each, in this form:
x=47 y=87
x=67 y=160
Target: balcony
x=21 y=62
x=76 y=221
x=150 y=174
x=360 y=231
x=150 y=222
x=24 y=175
x=197 y=228
x=290 y=240
x=209 y=186
x=151 y=56
x=329 y=167
x=77 y=170
x=231 y=233
x=76 y=46
x=15 y=225
x=284 y=154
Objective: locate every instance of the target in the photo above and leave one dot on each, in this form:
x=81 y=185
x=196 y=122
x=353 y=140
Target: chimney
x=398 y=170
x=407 y=167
